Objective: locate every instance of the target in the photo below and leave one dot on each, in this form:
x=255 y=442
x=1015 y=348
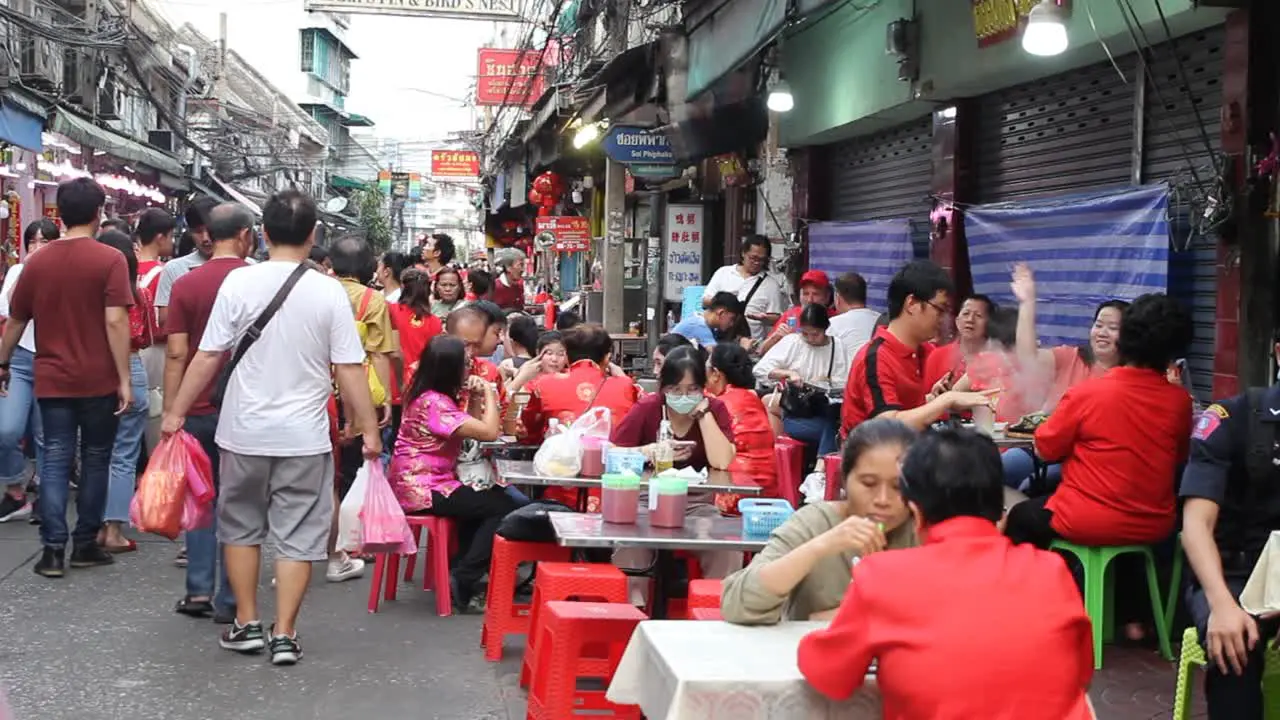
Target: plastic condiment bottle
x=663 y=451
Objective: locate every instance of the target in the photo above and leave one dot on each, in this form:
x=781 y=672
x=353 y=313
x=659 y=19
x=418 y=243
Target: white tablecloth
x=701 y=670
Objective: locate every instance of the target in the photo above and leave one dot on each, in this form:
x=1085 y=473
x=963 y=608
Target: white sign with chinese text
x=683 y=248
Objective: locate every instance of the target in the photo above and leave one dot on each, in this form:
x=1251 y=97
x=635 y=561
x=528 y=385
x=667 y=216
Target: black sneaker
x=90 y=555
x=245 y=638
x=50 y=564
x=11 y=508
x=285 y=650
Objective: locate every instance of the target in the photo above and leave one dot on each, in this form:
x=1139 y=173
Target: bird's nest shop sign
x=473 y=9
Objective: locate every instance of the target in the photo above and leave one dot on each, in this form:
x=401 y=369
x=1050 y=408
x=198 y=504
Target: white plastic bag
x=814 y=487
x=350 y=529
x=561 y=453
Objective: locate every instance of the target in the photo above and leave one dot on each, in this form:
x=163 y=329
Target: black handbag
x=530 y=523
x=806 y=401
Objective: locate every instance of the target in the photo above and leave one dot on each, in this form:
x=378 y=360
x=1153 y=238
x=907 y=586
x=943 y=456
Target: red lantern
x=544 y=184
x=535 y=197
x=548 y=201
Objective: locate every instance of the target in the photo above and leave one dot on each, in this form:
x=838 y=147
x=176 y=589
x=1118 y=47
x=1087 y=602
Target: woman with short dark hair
x=729 y=379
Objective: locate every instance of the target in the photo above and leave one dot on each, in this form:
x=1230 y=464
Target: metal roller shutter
x=1063 y=134
x=1169 y=126
x=886 y=175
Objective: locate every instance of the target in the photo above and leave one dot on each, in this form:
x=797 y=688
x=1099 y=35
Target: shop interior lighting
x=780 y=99
x=1046 y=31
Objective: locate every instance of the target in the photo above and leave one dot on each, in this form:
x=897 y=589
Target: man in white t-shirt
x=855 y=322
x=276 y=468
x=761 y=293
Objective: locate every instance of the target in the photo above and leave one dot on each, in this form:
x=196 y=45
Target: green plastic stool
x=1194 y=655
x=1099 y=592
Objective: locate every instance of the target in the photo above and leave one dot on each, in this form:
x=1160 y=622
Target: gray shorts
x=286 y=499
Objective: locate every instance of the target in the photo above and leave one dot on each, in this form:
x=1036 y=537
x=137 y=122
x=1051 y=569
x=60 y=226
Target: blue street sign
x=635 y=145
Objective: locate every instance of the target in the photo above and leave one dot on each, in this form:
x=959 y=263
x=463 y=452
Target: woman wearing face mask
x=447 y=291
x=809 y=357
x=729 y=379
x=702 y=426
x=804 y=570
x=1059 y=368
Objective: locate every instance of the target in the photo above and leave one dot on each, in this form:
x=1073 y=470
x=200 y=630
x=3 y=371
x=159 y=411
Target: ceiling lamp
x=780 y=99
x=587 y=134
x=1046 y=31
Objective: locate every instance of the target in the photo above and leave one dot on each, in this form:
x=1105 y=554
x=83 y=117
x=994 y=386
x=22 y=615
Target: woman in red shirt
x=916 y=612
x=1120 y=439
x=730 y=380
x=133 y=421
x=414 y=320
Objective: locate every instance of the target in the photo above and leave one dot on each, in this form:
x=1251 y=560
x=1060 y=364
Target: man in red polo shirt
x=887 y=375
x=589 y=382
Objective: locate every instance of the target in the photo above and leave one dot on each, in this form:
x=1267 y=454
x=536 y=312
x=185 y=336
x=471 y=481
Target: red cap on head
x=816 y=278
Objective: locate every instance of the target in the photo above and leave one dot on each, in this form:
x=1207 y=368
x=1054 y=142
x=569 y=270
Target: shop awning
x=121 y=146
x=730 y=37
x=236 y=194
x=21 y=127
x=345 y=183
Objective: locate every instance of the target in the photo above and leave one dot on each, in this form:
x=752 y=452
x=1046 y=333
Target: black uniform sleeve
x=1215 y=441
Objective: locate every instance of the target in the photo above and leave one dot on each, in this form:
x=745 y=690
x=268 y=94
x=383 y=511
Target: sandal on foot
x=128 y=547
x=194 y=608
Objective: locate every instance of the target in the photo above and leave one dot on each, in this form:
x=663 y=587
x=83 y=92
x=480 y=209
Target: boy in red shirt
x=916 y=612
x=887 y=375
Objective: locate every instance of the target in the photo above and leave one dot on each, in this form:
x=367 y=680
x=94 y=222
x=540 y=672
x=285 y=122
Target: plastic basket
x=761 y=516
x=618 y=461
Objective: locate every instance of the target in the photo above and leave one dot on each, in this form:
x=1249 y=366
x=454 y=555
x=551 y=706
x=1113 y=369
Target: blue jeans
x=94 y=419
x=816 y=433
x=205 y=568
x=18 y=414
x=124 y=454
x=1019 y=466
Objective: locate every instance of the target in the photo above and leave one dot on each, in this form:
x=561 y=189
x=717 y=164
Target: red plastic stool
x=562 y=581
x=789 y=456
x=442 y=541
x=705 y=613
x=567 y=631
x=835 y=483
x=704 y=594
x=502 y=614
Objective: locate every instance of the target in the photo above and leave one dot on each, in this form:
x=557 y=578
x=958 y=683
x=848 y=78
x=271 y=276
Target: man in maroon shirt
x=231 y=228
x=887 y=375
x=78 y=289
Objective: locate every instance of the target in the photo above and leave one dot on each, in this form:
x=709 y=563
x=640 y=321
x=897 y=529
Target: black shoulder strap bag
x=807 y=401
x=253 y=333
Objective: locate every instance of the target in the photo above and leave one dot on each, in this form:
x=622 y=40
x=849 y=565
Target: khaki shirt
x=375 y=326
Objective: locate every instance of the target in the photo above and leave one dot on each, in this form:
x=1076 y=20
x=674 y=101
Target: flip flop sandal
x=194 y=608
x=128 y=547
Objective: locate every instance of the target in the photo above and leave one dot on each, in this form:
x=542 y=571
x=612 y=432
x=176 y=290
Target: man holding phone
x=887 y=376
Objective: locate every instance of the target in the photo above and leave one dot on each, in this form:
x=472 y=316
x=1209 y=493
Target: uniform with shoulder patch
x=1209 y=421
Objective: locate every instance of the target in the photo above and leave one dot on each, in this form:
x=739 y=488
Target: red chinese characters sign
x=573 y=234
x=995 y=21
x=683 y=266
x=509 y=77
x=455 y=163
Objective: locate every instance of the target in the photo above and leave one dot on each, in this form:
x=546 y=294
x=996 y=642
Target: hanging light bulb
x=780 y=99
x=1046 y=31
x=586 y=135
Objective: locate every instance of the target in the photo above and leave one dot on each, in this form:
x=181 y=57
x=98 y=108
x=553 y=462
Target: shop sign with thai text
x=573 y=234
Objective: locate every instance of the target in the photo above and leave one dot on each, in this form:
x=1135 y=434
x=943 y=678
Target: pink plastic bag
x=199 y=469
x=157 y=506
x=383 y=526
x=196 y=515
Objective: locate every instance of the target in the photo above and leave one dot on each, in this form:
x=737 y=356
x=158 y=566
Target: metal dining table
x=699 y=534
x=522 y=472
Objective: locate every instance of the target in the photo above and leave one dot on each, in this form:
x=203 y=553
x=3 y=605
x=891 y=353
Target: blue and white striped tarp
x=875 y=249
x=1084 y=250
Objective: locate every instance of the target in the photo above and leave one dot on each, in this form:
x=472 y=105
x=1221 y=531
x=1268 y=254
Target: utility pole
x=615 y=197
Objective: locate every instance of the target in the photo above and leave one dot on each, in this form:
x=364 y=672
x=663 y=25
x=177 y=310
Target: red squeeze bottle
x=549 y=315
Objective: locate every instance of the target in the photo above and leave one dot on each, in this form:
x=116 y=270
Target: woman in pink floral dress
x=424 y=466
